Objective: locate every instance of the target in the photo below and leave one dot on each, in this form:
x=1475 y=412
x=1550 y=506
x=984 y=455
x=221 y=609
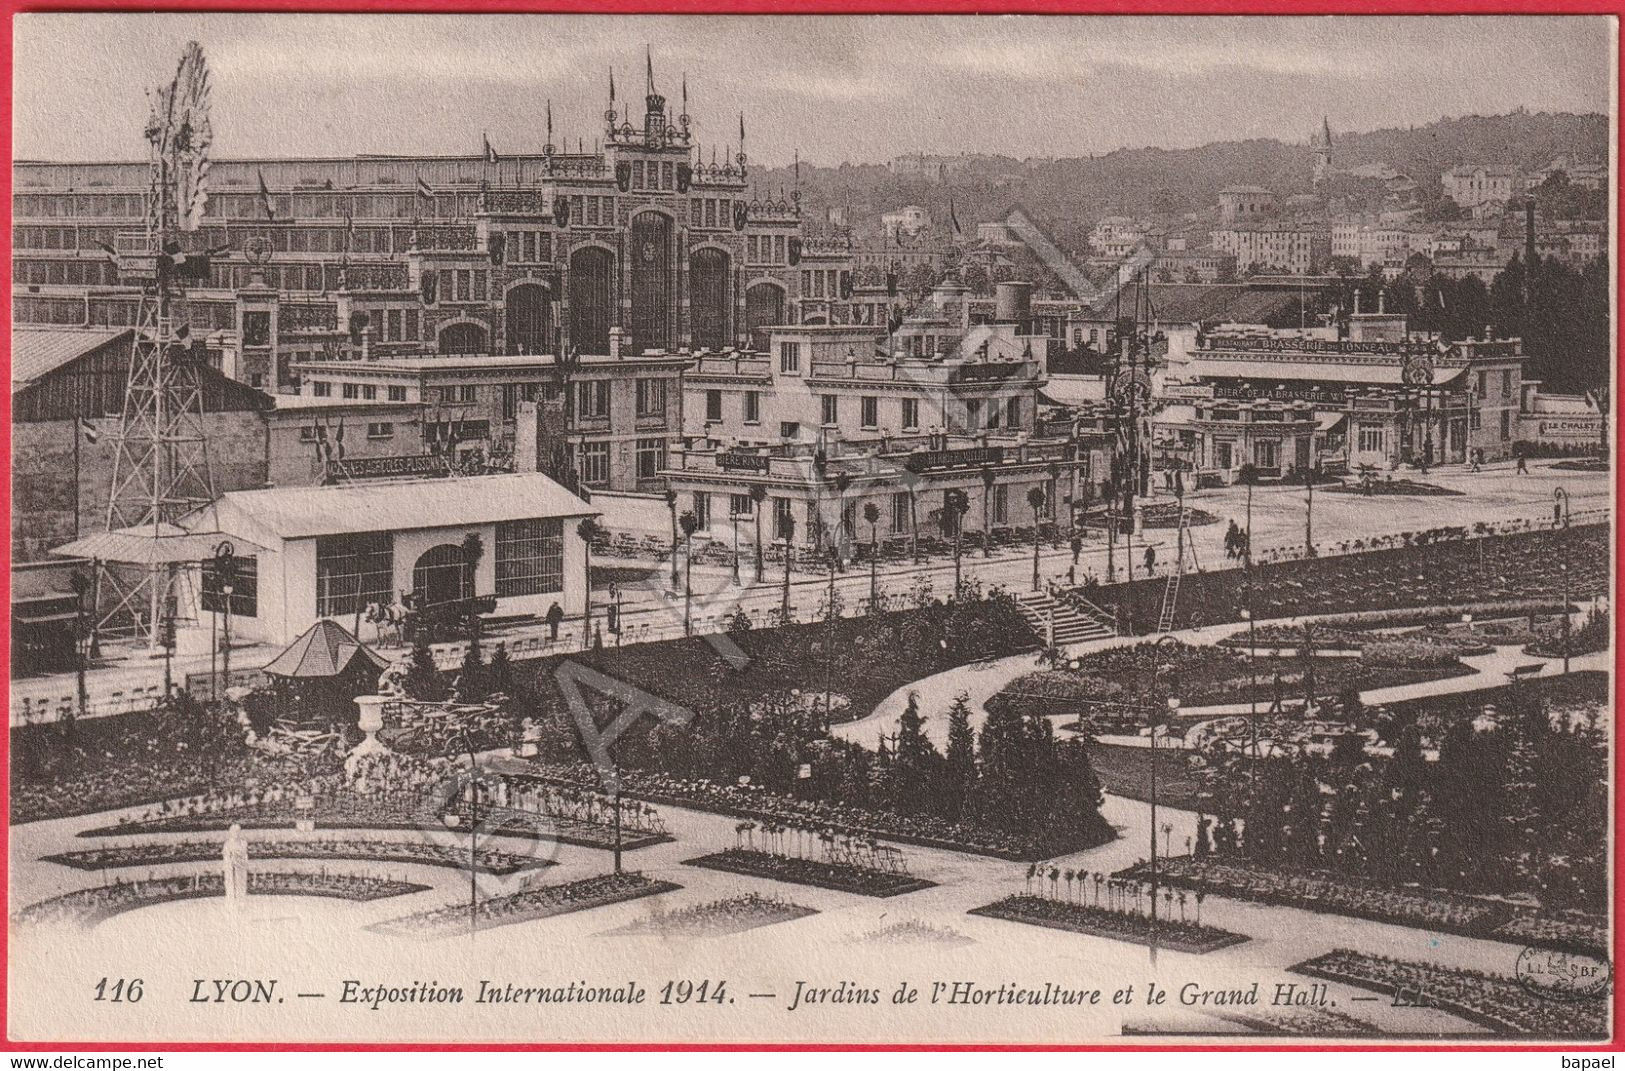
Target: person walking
x=1150 y=560
x=1523 y=465
x=554 y=618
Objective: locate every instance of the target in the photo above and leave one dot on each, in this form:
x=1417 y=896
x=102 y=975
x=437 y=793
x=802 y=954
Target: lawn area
x=1113 y=684
x=1126 y=772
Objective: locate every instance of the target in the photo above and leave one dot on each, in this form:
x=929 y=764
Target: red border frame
x=808 y=7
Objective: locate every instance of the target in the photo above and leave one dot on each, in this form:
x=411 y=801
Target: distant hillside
x=1073 y=192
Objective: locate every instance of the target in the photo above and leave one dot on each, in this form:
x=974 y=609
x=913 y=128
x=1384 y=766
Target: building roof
x=474 y=363
x=1313 y=367
x=1246 y=189
x=278 y=513
x=325 y=649
x=303 y=401
x=38 y=351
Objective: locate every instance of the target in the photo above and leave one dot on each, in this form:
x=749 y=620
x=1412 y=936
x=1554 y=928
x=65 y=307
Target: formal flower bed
x=1106 y=682
x=836 y=818
x=1333 y=638
x=1592 y=635
x=421 y=852
x=88 y=907
x=1494 y=1000
x=1392 y=486
x=1300 y=1022
x=1563 y=930
x=339 y=809
x=1326 y=891
x=716 y=918
x=1111 y=923
x=842 y=876
x=915 y=932
x=528 y=905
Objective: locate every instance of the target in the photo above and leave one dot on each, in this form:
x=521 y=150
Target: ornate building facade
x=529 y=254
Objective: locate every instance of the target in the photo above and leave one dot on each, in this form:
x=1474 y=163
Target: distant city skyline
x=835 y=89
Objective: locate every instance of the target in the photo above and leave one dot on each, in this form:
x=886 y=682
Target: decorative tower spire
x=547 y=149
x=741 y=157
x=683 y=116
x=649 y=68
x=609 y=113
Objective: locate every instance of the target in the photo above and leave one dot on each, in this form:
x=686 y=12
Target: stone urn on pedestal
x=371 y=720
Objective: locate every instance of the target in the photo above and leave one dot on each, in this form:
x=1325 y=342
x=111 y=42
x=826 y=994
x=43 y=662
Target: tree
x=914 y=764
x=500 y=671
x=471 y=687
x=960 y=776
x=423 y=676
x=473 y=551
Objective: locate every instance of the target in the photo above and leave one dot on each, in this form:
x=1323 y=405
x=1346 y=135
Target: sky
x=835 y=89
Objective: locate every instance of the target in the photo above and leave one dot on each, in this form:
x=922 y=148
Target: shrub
x=1408 y=654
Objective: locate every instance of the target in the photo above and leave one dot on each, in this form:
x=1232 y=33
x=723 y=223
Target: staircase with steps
x=1072 y=625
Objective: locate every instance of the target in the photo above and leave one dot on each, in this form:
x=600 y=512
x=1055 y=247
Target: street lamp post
x=758 y=495
x=671 y=508
x=789 y=542
x=690 y=524
x=81 y=643
x=1152 y=713
x=1560 y=511
x=833 y=553
x=733 y=517
x=1563 y=570
x=466 y=743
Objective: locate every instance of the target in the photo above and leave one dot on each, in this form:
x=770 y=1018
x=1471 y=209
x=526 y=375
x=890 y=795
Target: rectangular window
x=830 y=409
x=1371 y=438
x=397 y=393
x=651 y=397
x=778 y=249
x=782 y=518
x=666 y=180
x=595 y=463
x=381 y=430
x=739 y=506
x=651 y=458
x=973 y=415
x=1012 y=413
x=871 y=411
x=352 y=391
x=713 y=405
x=899 y=511
x=637 y=174
x=789 y=429
x=412 y=325
x=790 y=357
x=911 y=414
x=369 y=392
x=466 y=393
x=995 y=413
x=353 y=570
x=1001 y=504
x=307 y=434
x=321 y=388
x=510 y=400
x=1483 y=384
x=530 y=557
x=1506 y=383
x=753 y=407
x=1506 y=424
x=1267 y=453
x=244 y=588
x=702 y=508
x=592 y=398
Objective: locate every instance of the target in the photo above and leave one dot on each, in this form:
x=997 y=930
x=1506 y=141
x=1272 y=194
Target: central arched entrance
x=529 y=319
x=592 y=275
x=708 y=297
x=441 y=575
x=764 y=308
x=651 y=282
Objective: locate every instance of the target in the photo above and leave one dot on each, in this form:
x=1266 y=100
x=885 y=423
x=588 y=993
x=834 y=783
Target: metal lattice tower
x=161 y=454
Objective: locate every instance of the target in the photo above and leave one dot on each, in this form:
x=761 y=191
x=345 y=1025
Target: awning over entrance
x=148 y=545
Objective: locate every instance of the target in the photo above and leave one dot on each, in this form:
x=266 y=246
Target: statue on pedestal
x=234 y=862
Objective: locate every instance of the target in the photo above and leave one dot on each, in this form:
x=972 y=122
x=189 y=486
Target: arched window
x=592 y=274
x=529 y=319
x=441 y=575
x=464 y=338
x=764 y=308
x=709 y=298
x=652 y=302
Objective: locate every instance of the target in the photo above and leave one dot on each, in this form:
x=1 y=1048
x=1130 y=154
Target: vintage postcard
x=823 y=529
